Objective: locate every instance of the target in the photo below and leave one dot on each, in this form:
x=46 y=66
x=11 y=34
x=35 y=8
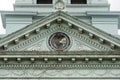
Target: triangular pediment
x=82 y=35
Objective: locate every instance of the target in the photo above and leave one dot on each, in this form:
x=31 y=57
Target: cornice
x=17 y=13
x=59 y=60
x=103 y=13
x=60 y=52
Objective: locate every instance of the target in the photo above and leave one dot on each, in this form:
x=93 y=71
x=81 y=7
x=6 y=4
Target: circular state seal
x=59 y=41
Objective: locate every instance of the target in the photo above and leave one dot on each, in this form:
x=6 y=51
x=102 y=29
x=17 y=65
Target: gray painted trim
x=60 y=78
x=103 y=13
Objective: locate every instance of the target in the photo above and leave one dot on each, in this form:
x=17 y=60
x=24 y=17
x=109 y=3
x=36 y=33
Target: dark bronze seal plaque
x=59 y=41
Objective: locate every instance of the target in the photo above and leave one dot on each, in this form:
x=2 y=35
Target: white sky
x=7 y=5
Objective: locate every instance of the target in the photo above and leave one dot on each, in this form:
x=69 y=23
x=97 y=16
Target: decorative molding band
x=59 y=60
x=59 y=78
x=60 y=74
x=59 y=66
x=94 y=53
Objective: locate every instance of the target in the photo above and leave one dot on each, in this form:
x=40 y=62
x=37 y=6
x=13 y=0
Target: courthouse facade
x=60 y=40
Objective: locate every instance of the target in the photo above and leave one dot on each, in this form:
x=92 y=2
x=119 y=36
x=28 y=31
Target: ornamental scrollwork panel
x=60 y=73
x=79 y=46
x=38 y=46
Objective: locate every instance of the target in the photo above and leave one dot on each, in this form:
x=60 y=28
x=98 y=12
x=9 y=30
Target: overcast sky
x=7 y=5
